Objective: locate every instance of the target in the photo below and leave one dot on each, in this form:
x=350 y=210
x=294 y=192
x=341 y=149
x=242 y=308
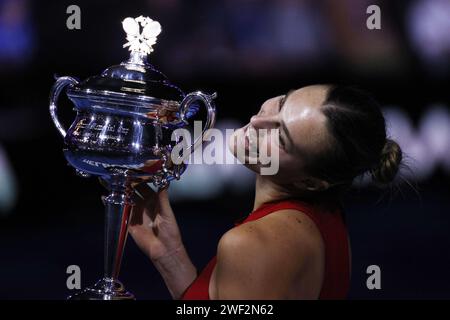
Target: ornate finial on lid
x=138 y=41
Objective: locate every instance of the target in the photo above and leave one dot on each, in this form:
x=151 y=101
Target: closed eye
x=282 y=144
x=283 y=99
x=281 y=102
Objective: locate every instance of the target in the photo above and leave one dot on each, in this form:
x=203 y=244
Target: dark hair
x=358 y=142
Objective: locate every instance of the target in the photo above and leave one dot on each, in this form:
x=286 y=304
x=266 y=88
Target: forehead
x=313 y=96
x=304 y=119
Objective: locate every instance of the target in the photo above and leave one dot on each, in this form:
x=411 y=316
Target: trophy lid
x=134 y=81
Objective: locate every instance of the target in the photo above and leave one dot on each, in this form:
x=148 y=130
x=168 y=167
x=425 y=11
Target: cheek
x=272 y=144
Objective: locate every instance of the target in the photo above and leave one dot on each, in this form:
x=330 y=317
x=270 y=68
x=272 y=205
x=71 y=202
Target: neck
x=268 y=191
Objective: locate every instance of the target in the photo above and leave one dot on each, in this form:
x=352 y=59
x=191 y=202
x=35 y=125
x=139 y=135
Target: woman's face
x=290 y=125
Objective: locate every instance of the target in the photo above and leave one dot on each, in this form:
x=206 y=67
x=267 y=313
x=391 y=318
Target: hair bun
x=389 y=163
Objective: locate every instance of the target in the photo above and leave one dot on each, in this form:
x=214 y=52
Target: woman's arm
x=154 y=228
x=177 y=271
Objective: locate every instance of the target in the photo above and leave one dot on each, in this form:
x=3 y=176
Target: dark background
x=247 y=51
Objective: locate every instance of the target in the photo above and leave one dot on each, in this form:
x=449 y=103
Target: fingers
x=137 y=216
x=141 y=236
x=154 y=202
x=140 y=196
x=163 y=197
x=163 y=194
x=144 y=191
x=150 y=200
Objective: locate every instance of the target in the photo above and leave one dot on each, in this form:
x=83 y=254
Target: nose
x=264 y=121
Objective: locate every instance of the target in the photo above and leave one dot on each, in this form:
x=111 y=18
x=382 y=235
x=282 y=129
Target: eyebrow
x=286 y=96
x=283 y=125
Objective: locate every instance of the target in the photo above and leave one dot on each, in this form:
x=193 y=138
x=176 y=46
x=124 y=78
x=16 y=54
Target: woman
x=294 y=245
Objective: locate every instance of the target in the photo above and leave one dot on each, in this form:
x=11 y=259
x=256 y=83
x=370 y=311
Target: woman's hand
x=155 y=230
x=153 y=225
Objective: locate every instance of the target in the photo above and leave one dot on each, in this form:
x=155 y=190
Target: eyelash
x=280 y=102
x=281 y=140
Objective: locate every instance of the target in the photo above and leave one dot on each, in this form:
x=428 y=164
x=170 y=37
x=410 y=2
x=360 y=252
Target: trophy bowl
x=124 y=132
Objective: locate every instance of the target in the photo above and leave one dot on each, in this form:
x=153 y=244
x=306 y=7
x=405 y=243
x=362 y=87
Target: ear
x=313 y=184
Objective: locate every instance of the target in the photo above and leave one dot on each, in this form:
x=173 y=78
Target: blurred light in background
x=429 y=30
x=293 y=40
x=425 y=148
x=202 y=181
x=8 y=187
x=258 y=37
x=16 y=32
x=245 y=50
x=434 y=129
x=249 y=36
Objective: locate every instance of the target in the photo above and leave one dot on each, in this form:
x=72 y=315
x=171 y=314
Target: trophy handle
x=59 y=85
x=207 y=101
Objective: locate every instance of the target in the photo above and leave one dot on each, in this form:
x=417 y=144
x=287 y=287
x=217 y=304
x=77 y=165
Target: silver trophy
x=123 y=133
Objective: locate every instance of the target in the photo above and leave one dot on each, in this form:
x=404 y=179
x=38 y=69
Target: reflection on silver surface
x=122 y=133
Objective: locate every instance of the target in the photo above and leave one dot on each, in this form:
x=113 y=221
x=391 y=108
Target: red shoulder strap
x=330 y=222
x=329 y=219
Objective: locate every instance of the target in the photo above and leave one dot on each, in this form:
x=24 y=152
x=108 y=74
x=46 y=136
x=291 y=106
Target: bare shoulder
x=262 y=258
x=285 y=229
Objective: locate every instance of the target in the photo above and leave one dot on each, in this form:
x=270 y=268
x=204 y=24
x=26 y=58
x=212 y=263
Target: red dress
x=329 y=220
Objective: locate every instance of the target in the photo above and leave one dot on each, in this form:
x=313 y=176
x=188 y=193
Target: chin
x=237 y=140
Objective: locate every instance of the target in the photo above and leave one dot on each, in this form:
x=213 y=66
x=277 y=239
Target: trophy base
x=105 y=289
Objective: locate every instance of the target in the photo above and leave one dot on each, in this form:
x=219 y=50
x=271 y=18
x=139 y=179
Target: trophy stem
x=118 y=205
